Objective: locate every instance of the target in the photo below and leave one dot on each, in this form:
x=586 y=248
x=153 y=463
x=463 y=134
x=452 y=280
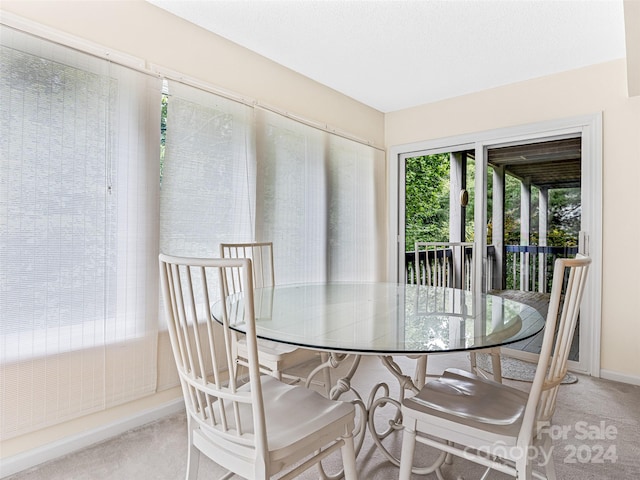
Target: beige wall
x=600 y=88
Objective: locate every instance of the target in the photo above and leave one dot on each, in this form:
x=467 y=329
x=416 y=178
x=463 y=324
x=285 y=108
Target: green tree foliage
x=427 y=199
x=511 y=211
x=163 y=132
x=427 y=206
x=564 y=217
x=470 y=208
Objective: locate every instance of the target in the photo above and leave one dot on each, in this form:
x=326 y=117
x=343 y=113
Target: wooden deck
x=539 y=301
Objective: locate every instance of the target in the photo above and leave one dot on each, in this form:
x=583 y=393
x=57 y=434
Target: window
x=78 y=265
x=317 y=196
x=86 y=206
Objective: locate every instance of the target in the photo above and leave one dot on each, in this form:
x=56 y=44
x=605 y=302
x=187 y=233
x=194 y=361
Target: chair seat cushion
x=298 y=411
x=293 y=415
x=463 y=394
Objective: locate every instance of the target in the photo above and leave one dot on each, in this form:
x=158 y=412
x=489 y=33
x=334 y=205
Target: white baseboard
x=605 y=374
x=619 y=377
x=65 y=446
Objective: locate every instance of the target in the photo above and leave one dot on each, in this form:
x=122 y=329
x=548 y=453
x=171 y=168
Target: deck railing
x=528 y=267
x=440 y=262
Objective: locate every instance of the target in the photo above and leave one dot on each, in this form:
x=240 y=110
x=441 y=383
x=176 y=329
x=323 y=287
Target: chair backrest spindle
x=569 y=281
x=203 y=349
x=261 y=255
x=226 y=415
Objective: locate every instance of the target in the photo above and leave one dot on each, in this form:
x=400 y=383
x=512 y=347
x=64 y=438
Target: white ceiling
x=392 y=55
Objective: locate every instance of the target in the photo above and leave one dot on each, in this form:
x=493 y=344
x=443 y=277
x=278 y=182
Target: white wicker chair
x=256 y=429
x=275 y=358
x=490 y=423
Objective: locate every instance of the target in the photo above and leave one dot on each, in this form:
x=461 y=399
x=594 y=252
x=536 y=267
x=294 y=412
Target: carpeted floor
x=158 y=450
x=514 y=369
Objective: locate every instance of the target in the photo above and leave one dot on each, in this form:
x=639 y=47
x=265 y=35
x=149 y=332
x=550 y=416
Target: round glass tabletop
x=385 y=318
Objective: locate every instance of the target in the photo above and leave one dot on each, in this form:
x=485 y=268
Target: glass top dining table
x=385 y=318
x=352 y=320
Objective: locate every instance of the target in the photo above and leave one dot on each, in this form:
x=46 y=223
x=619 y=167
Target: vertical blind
x=318 y=197
x=357 y=211
x=78 y=287
x=208 y=175
x=321 y=200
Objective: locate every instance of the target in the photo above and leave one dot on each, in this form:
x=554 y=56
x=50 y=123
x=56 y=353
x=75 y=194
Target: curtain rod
x=319 y=126
x=66 y=40
x=140 y=65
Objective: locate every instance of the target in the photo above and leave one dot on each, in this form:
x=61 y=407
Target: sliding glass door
x=524 y=196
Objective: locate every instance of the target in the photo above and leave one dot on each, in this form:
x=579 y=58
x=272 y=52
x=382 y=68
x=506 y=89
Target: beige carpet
x=158 y=450
x=515 y=369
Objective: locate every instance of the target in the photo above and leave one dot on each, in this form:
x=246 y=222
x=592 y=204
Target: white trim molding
x=620 y=377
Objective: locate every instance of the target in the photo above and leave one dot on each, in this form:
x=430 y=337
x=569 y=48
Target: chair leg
x=473 y=362
x=549 y=466
x=496 y=364
x=193 y=454
x=524 y=469
x=407 y=452
x=420 y=375
x=550 y=470
x=348 y=451
x=326 y=372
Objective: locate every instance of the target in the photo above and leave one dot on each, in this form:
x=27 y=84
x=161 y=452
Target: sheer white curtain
x=321 y=200
x=78 y=255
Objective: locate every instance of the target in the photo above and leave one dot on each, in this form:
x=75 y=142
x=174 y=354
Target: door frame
x=589 y=127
